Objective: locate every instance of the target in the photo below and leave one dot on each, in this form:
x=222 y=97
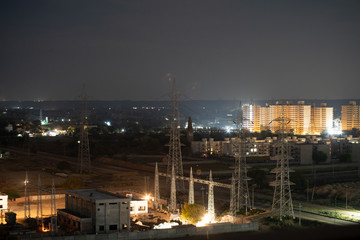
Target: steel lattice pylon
x=282 y=201
x=157 y=187
x=191 y=188
x=53 y=224
x=240 y=171
x=84 y=149
x=172 y=206
x=27 y=198
x=233 y=197
x=211 y=204
x=175 y=158
x=39 y=212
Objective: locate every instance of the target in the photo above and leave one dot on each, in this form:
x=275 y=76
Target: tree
x=192 y=212
x=319 y=157
x=12 y=193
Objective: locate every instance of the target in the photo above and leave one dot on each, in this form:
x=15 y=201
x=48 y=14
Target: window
x=124 y=226
x=113 y=203
x=100 y=204
x=131 y=209
x=142 y=208
x=1 y=206
x=101 y=228
x=113 y=227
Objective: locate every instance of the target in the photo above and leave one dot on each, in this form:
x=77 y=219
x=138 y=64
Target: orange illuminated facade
x=350 y=116
x=304 y=119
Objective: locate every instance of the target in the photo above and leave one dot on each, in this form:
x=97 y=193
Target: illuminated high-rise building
x=321 y=118
x=252 y=113
x=304 y=118
x=350 y=117
x=299 y=116
x=265 y=118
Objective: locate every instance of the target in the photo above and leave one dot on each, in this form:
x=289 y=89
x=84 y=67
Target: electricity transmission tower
x=233 y=197
x=282 y=202
x=84 y=149
x=157 y=187
x=172 y=206
x=39 y=211
x=53 y=226
x=27 y=197
x=191 y=188
x=211 y=204
x=27 y=210
x=175 y=159
x=240 y=171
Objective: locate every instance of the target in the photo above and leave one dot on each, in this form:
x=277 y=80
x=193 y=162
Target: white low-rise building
x=3 y=201
x=138 y=207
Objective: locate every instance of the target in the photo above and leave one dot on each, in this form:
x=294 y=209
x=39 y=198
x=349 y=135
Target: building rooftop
x=95 y=194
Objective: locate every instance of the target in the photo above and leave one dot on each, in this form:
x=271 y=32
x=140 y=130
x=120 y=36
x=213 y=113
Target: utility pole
x=253 y=198
x=282 y=201
x=202 y=195
x=307 y=190
x=300 y=214
x=147 y=184
x=84 y=149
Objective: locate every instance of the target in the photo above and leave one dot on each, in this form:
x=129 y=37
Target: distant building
x=350 y=117
x=299 y=116
x=94 y=211
x=300 y=149
x=321 y=119
x=304 y=119
x=138 y=207
x=252 y=117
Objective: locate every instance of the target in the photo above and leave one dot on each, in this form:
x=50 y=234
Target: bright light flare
x=205 y=221
x=147 y=197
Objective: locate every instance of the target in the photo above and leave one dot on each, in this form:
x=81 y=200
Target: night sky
x=122 y=50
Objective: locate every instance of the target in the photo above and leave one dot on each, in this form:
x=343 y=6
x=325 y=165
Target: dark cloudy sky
x=215 y=49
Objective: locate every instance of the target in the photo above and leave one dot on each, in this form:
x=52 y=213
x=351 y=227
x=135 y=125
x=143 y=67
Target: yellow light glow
x=147 y=197
x=205 y=221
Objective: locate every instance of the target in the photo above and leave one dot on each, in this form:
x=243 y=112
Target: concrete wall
x=166 y=233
